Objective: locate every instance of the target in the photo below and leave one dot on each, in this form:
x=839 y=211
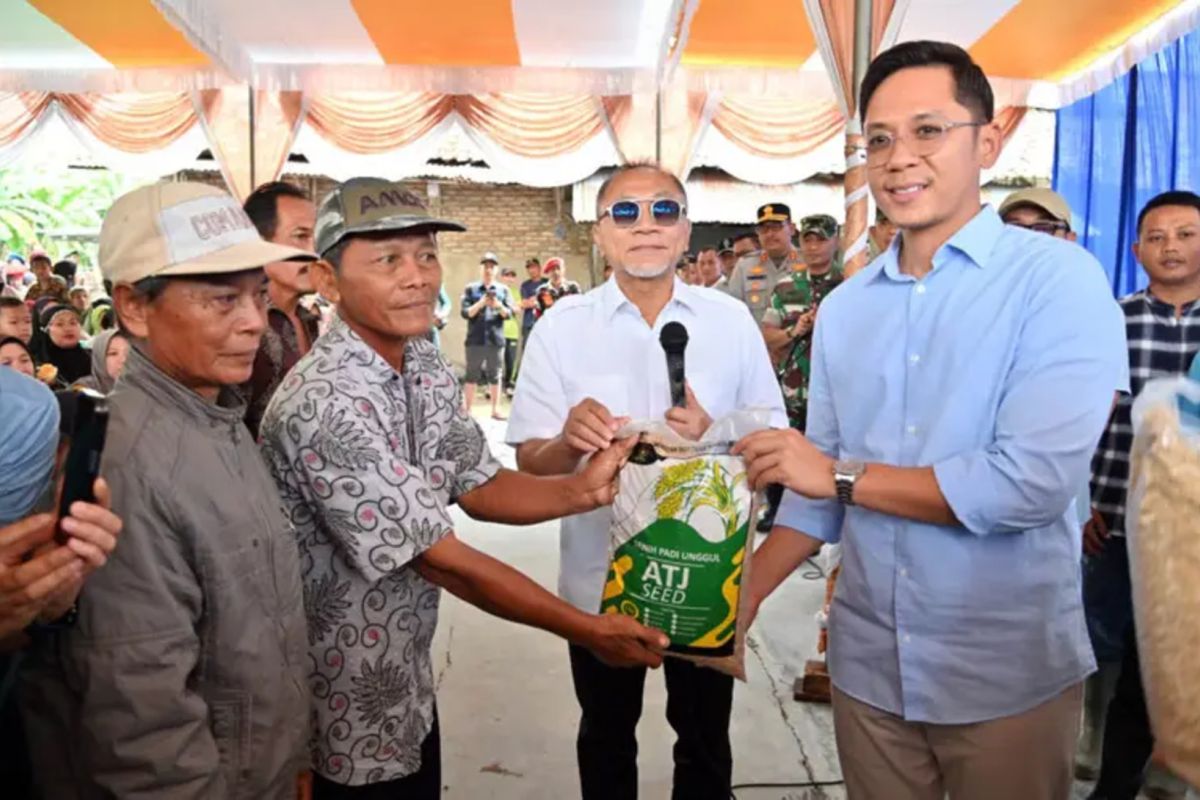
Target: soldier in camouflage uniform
x=788 y=323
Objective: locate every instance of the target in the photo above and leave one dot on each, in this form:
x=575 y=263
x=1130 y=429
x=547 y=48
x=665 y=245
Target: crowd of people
x=247 y=608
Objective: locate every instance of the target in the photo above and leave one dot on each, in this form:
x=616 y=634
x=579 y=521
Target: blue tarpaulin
x=1117 y=148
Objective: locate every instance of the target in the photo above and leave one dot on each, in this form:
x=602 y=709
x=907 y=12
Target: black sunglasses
x=625 y=213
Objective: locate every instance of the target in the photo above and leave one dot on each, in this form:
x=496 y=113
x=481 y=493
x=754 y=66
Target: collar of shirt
x=344 y=342
x=613 y=299
x=791 y=262
x=1165 y=309
x=144 y=374
x=976 y=241
x=277 y=318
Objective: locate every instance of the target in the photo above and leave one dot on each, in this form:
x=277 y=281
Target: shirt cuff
x=820 y=519
x=960 y=484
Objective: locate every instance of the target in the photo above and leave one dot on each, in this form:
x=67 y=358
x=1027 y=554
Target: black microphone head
x=673 y=337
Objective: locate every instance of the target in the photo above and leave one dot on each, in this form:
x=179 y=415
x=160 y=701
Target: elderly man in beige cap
x=370 y=446
x=184 y=674
x=1038 y=209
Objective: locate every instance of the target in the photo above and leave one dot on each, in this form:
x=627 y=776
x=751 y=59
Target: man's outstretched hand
x=622 y=641
x=598 y=479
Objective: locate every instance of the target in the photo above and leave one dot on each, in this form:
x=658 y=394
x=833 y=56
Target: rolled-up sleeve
x=1069 y=361
x=820 y=519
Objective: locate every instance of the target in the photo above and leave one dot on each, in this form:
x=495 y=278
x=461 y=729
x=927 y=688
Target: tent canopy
x=1043 y=53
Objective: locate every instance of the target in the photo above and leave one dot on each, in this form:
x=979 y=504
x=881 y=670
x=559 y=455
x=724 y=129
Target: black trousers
x=1128 y=741
x=424 y=784
x=699 y=701
x=510 y=363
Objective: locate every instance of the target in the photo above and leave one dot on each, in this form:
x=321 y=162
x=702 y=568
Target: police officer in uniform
x=755 y=276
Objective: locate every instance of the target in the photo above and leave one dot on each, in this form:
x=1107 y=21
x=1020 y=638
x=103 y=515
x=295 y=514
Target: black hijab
x=73 y=362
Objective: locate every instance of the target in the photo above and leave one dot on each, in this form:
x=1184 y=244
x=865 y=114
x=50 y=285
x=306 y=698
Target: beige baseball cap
x=182 y=229
x=1046 y=199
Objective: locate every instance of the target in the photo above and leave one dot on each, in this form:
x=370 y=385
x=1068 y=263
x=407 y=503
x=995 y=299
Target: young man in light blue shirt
x=959 y=386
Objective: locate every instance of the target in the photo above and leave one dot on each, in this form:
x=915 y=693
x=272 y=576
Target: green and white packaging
x=681 y=540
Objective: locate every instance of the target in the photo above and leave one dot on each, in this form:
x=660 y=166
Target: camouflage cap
x=821 y=224
x=367 y=205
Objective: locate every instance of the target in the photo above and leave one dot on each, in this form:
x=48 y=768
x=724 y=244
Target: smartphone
x=83 y=429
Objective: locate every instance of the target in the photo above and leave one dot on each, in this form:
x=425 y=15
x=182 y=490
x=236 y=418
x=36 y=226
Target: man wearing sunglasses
x=594 y=362
x=959 y=386
x=757 y=273
x=1041 y=210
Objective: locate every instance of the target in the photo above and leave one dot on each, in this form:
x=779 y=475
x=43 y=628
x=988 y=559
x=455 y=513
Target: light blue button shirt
x=998 y=370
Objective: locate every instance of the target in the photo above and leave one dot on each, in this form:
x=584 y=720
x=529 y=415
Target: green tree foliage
x=39 y=204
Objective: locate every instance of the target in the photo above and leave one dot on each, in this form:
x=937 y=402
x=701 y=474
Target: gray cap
x=366 y=205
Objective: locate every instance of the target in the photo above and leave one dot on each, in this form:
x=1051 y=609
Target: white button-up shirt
x=598 y=345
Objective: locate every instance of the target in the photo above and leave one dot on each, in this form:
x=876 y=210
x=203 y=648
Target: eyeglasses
x=1047 y=227
x=625 y=213
x=924 y=136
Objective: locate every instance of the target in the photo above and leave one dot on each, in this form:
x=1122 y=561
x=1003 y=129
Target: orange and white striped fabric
x=1038 y=52
x=549 y=90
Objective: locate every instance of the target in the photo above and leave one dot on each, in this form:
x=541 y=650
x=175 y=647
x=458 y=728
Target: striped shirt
x=1162 y=344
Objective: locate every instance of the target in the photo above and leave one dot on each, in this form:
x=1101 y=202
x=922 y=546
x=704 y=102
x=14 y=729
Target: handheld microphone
x=674 y=339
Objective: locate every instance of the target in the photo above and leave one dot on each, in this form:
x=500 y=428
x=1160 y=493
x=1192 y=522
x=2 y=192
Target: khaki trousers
x=1028 y=756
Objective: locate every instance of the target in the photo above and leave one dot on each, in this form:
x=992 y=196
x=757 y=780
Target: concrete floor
x=508 y=710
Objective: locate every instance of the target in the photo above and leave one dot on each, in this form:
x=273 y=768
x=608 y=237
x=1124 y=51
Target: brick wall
x=515 y=222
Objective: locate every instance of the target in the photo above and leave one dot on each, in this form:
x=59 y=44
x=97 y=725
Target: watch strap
x=845 y=489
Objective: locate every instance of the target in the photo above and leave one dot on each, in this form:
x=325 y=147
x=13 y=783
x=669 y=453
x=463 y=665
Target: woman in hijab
x=62 y=344
x=15 y=354
x=109 y=349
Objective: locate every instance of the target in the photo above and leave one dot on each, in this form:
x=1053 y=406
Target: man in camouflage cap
x=369 y=444
x=788 y=323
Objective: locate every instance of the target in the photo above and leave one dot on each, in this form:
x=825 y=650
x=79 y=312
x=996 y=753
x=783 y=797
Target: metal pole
x=250 y=98
x=862 y=43
x=854 y=234
x=658 y=126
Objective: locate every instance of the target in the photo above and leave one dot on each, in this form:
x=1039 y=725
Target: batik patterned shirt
x=367 y=460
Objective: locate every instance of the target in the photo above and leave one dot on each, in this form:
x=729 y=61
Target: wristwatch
x=845 y=475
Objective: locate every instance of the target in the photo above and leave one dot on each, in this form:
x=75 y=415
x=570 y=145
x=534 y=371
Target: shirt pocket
x=239 y=580
x=610 y=391
x=229 y=721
